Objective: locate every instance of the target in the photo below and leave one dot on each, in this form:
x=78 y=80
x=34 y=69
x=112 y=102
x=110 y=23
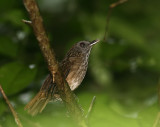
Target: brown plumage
x=73 y=66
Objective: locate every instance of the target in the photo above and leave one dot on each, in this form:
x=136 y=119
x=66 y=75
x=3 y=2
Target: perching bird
x=73 y=66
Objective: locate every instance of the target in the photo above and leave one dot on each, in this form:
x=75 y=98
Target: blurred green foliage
x=16 y=80
x=123 y=71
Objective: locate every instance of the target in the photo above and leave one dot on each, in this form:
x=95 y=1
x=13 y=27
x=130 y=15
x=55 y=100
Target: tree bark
x=53 y=66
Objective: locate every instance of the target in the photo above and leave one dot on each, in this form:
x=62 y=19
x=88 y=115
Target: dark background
x=123 y=72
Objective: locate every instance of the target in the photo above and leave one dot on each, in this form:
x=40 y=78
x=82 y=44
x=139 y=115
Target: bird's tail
x=37 y=104
x=46 y=94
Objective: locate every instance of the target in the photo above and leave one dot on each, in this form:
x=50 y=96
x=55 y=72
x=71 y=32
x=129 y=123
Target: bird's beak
x=94 y=42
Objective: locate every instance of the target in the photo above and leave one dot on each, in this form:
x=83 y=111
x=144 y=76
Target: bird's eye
x=82 y=45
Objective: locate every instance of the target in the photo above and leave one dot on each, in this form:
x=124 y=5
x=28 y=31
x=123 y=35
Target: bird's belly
x=76 y=75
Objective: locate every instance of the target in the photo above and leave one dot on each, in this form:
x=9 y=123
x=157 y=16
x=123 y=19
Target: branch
x=27 y=22
x=159 y=91
x=18 y=122
x=53 y=66
x=156 y=123
x=109 y=15
x=90 y=108
x=157 y=120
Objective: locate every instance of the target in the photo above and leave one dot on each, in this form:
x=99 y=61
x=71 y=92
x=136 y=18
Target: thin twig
x=27 y=22
x=109 y=15
x=157 y=121
x=17 y=120
x=49 y=55
x=90 y=107
x=159 y=91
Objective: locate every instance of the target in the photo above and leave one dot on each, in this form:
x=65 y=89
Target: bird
x=73 y=66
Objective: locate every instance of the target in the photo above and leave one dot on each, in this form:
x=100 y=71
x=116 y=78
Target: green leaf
x=103 y=115
x=8 y=47
x=15 y=17
x=102 y=74
x=148 y=116
x=2 y=107
x=15 y=76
